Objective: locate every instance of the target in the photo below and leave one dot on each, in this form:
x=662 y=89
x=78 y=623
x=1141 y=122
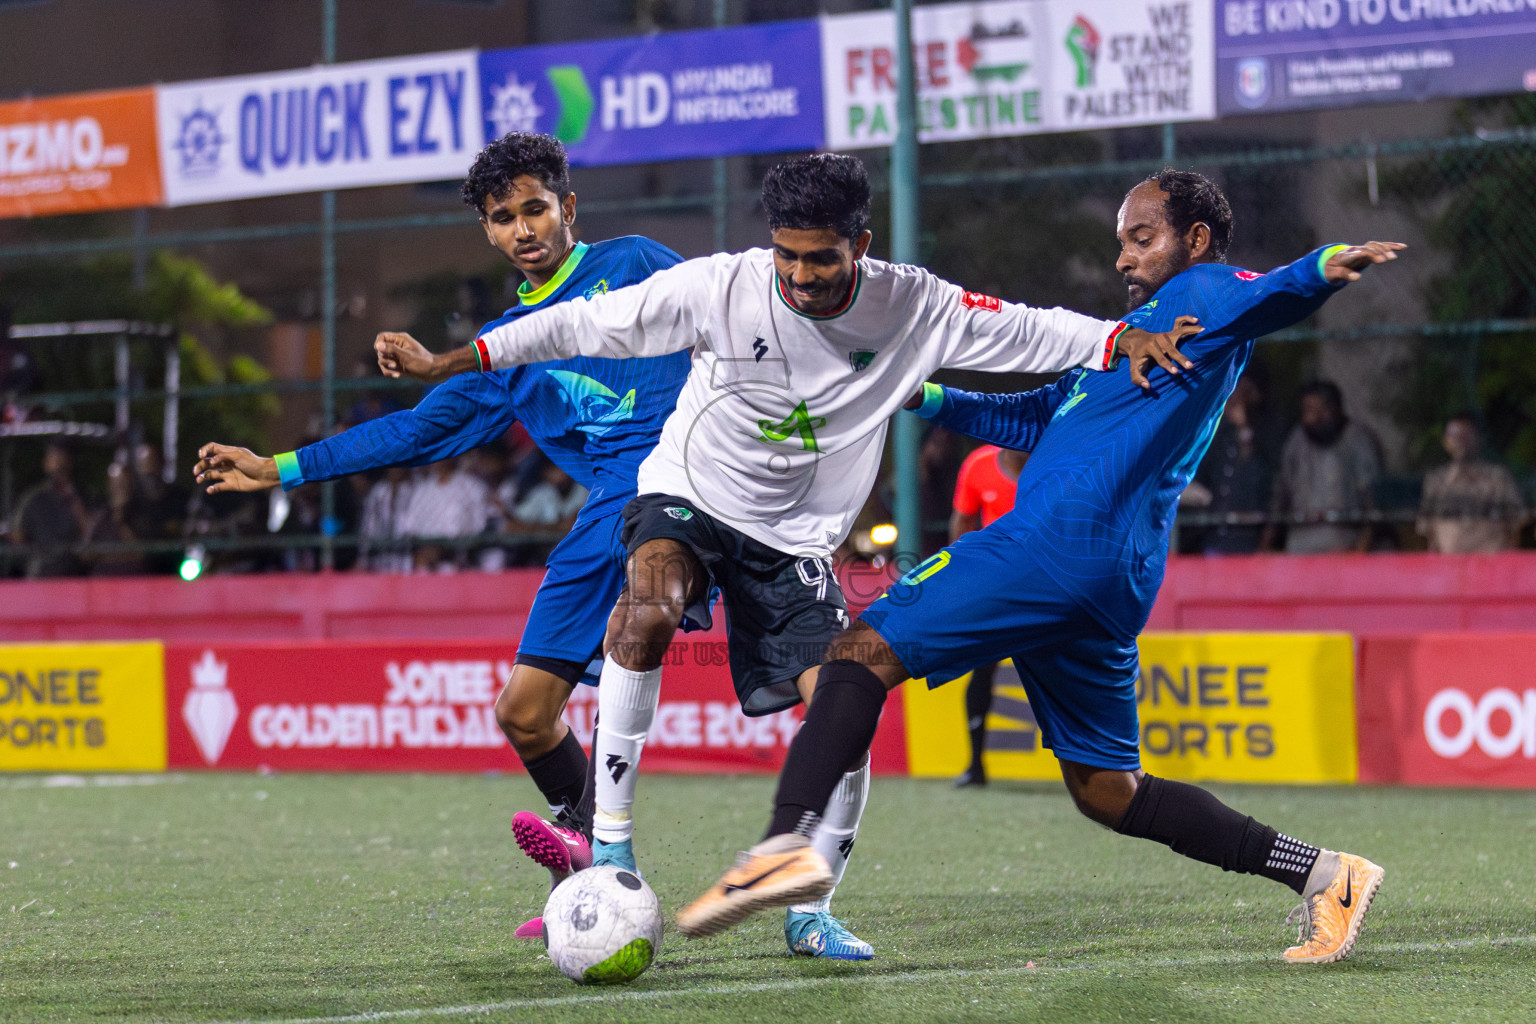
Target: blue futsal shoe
x=619 y=855
x=822 y=935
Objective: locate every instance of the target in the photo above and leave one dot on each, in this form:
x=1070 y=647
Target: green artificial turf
x=238 y=897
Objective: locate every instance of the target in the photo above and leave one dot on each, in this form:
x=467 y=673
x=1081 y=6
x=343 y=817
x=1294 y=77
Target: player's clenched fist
x=1346 y=264
x=224 y=467
x=401 y=355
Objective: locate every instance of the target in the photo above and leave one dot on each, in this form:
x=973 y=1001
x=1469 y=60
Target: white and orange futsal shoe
x=778 y=872
x=1330 y=918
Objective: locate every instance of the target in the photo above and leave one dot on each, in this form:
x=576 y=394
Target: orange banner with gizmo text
x=74 y=154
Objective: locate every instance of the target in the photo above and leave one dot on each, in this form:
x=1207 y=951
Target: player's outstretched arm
x=224 y=467
x=652 y=318
x=1345 y=265
x=1009 y=421
x=1253 y=305
x=463 y=414
x=401 y=355
x=982 y=333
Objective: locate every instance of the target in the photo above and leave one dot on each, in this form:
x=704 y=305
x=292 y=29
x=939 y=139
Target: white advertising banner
x=377 y=122
x=1018 y=67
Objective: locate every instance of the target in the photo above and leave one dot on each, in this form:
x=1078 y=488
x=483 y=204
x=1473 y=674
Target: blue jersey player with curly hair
x=596 y=419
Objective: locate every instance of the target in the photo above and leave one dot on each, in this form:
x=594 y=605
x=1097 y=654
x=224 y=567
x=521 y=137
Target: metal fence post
x=722 y=198
x=904 y=249
x=328 y=526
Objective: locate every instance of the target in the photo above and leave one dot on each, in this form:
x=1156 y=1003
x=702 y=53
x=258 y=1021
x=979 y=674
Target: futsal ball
x=602 y=926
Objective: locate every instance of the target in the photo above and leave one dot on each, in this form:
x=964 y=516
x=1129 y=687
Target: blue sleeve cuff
x=933 y=401
x=1324 y=256
x=288 y=470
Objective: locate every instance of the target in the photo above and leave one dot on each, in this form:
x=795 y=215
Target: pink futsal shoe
x=564 y=851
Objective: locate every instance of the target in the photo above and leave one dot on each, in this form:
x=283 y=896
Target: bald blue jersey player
x=595 y=418
x=1065 y=582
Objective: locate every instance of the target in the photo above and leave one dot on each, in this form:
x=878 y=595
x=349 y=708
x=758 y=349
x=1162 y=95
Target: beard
x=1325 y=434
x=1137 y=292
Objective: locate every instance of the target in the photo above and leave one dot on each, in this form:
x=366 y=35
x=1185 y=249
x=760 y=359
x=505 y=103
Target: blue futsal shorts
x=983 y=599
x=582 y=581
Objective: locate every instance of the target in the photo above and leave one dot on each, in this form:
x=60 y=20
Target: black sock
x=581 y=818
x=836 y=735
x=561 y=775
x=1194 y=823
x=978 y=702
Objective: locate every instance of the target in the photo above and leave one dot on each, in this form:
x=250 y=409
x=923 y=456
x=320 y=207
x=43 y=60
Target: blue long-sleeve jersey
x=595 y=418
x=1109 y=460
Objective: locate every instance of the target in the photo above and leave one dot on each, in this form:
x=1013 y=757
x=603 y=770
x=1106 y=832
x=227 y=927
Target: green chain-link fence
x=1450 y=328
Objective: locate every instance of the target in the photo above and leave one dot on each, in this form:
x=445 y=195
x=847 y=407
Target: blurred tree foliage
x=176 y=290
x=1483 y=220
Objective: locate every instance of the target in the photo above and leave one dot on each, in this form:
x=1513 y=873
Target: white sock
x=839 y=827
x=626 y=706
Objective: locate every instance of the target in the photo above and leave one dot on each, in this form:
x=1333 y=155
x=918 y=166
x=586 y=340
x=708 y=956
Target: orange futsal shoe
x=1330 y=919
x=777 y=872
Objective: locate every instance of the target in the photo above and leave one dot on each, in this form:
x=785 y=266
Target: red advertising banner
x=69 y=154
x=336 y=706
x=1448 y=709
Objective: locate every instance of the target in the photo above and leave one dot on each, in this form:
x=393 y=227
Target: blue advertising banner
x=680 y=96
x=1301 y=54
x=372 y=122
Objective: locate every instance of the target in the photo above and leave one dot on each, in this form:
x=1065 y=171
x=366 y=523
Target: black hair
x=1195 y=199
x=511 y=156
x=1327 y=390
x=823 y=190
x=1466 y=416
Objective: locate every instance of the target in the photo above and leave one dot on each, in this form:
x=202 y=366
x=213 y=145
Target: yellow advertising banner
x=1229 y=707
x=82 y=707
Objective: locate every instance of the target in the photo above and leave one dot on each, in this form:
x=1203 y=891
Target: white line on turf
x=905 y=977
x=109 y=780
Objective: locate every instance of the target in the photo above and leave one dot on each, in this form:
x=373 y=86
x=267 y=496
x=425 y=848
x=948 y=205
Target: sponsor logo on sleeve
x=1246 y=275
x=976 y=300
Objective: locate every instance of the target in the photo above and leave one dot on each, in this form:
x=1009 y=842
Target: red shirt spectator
x=989 y=477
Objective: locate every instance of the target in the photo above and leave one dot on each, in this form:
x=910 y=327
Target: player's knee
x=528 y=724
x=640 y=633
x=1101 y=795
x=1094 y=807
x=856 y=643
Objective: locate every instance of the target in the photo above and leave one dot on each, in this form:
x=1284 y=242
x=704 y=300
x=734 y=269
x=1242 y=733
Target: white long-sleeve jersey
x=780 y=426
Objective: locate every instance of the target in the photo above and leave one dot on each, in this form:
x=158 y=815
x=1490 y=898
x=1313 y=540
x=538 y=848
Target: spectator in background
x=1470 y=505
x=52 y=517
x=553 y=501
x=445 y=503
x=1234 y=477
x=1327 y=469
x=110 y=526
x=984 y=490
x=383 y=547
x=158 y=509
x=937 y=472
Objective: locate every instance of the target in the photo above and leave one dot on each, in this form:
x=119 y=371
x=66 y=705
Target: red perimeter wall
x=1361 y=594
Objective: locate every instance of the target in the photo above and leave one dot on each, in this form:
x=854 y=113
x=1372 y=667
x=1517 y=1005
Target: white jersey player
x=801 y=354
